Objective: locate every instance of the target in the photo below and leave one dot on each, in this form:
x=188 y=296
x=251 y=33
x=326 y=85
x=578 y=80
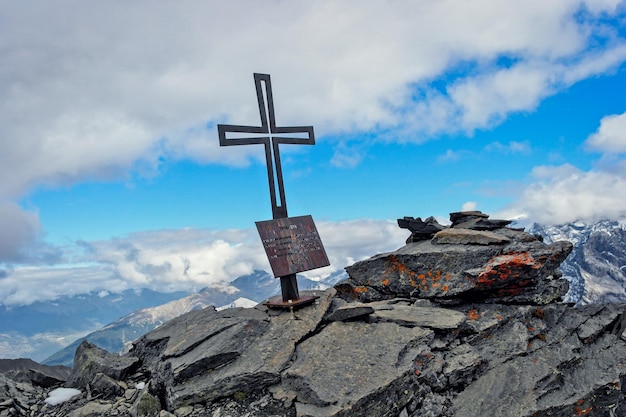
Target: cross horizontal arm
x=260 y=130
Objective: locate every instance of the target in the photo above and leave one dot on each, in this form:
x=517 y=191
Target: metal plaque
x=292 y=245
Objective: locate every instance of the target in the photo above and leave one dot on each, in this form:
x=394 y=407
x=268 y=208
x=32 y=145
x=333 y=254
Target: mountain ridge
x=596 y=269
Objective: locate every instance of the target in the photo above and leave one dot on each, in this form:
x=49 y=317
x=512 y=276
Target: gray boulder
x=90 y=360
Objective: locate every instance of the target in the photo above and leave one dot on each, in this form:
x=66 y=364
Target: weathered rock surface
x=459 y=265
x=494 y=343
x=327 y=377
x=90 y=360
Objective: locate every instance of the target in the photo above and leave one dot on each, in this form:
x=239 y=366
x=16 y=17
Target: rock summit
x=464 y=320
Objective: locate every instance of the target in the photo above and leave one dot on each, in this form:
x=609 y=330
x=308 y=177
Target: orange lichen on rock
x=360 y=289
x=398 y=267
x=473 y=314
x=504 y=267
x=578 y=411
x=424 y=281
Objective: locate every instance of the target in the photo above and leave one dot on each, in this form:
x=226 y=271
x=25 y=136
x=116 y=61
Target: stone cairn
x=464 y=320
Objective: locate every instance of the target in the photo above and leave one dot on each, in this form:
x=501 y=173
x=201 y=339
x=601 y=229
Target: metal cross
x=270 y=137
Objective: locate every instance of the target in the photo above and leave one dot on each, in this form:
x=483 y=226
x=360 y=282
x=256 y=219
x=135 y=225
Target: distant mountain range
x=49 y=332
x=596 y=269
x=38 y=330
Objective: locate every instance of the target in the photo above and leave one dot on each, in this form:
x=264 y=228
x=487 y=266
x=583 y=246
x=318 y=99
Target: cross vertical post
x=271 y=136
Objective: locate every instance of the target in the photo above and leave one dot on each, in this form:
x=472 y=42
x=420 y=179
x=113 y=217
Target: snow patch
x=61 y=395
x=239 y=302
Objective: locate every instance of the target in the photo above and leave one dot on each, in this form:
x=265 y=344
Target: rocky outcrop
x=596 y=267
x=464 y=263
x=386 y=342
x=90 y=361
x=29 y=371
x=24 y=385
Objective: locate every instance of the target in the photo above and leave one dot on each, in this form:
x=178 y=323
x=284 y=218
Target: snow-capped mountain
x=38 y=330
x=596 y=268
x=118 y=336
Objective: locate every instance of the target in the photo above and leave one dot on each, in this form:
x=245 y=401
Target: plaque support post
x=289 y=287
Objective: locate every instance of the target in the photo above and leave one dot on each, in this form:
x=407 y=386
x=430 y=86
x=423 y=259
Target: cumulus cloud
x=185 y=259
x=562 y=194
x=347 y=155
x=95 y=88
x=454 y=155
x=513 y=147
x=565 y=193
x=611 y=135
x=21 y=237
x=469 y=206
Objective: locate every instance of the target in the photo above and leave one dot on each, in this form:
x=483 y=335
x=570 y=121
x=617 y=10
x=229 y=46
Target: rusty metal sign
x=292 y=245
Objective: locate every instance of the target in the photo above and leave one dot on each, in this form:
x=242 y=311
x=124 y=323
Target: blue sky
x=112 y=174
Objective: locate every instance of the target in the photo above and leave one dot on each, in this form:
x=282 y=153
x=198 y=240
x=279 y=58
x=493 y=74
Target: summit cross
x=271 y=136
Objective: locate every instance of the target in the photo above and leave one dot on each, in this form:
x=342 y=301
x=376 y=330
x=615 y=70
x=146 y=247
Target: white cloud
x=565 y=193
x=600 y=6
x=347 y=156
x=469 y=206
x=611 y=135
x=488 y=98
x=186 y=259
x=453 y=156
x=20 y=235
x=562 y=194
x=94 y=88
x=513 y=147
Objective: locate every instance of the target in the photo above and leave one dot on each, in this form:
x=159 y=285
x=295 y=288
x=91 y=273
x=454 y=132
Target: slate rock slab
x=206 y=355
x=346 y=363
x=429 y=317
x=463 y=236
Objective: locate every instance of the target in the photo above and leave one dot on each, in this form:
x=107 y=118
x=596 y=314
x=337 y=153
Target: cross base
x=278 y=302
x=290 y=296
